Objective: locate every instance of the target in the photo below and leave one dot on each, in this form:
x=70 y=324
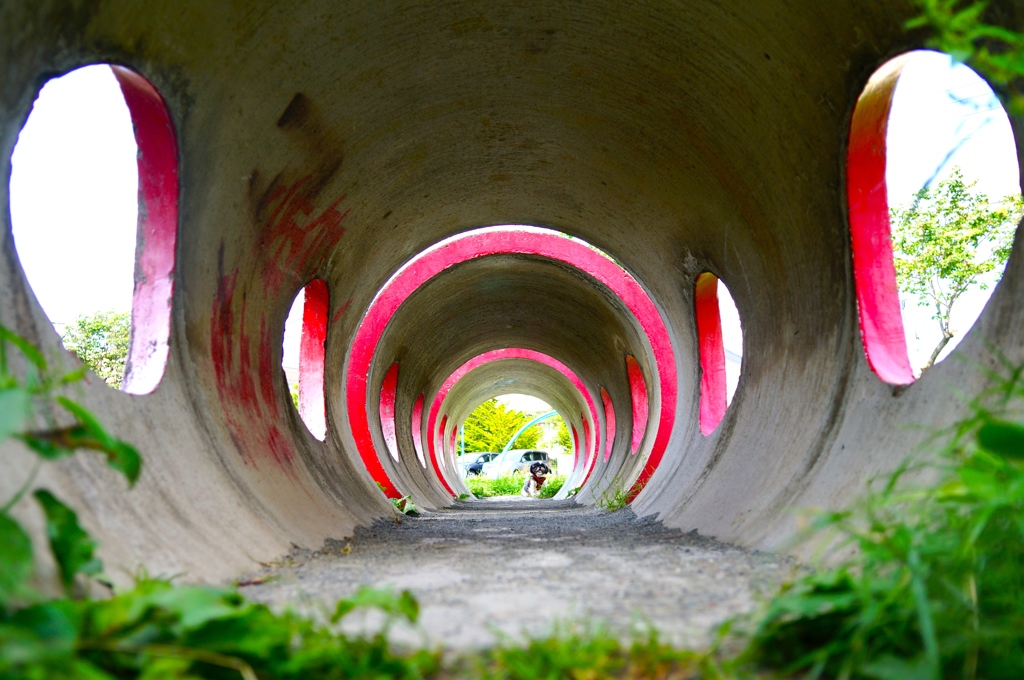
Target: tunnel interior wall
x=339 y=141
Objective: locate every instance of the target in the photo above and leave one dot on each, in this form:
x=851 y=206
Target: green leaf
x=1003 y=438
x=72 y=546
x=404 y=605
x=125 y=459
x=120 y=455
x=196 y=605
x=14 y=407
x=408 y=605
x=53 y=444
x=15 y=559
x=37 y=634
x=26 y=347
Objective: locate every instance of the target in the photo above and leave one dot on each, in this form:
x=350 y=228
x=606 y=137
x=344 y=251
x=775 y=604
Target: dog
x=535 y=479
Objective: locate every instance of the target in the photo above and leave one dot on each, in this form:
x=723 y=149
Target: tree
x=946 y=240
x=100 y=340
x=564 y=438
x=491 y=424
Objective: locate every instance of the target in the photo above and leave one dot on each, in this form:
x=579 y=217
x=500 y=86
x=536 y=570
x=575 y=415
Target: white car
x=515 y=461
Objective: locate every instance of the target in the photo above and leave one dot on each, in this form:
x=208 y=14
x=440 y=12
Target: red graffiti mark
x=341 y=311
x=290 y=241
x=249 y=383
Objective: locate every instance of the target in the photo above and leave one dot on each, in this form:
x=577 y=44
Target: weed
x=405 y=506
x=934 y=588
x=615 y=496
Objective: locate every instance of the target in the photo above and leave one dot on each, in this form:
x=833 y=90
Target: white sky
x=74 y=189
x=74 y=196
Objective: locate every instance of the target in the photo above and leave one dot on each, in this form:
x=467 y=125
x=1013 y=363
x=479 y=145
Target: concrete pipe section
x=371 y=153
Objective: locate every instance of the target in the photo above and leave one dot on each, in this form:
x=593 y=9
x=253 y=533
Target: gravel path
x=519 y=566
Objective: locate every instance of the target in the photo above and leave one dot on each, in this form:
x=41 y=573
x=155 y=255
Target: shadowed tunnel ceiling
x=342 y=140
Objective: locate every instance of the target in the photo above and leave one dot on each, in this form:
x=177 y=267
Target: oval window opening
x=720 y=343
x=98 y=145
x=934 y=201
x=302 y=358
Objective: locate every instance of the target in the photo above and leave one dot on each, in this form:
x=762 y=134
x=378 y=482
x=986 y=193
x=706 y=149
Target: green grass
x=510 y=485
x=586 y=652
x=506 y=485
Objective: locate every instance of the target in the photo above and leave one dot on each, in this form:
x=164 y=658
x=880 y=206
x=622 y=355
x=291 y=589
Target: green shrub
x=935 y=586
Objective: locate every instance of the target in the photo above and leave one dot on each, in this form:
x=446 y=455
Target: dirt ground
x=518 y=567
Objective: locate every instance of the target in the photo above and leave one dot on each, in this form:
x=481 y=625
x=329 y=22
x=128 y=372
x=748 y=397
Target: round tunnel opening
x=514 y=445
x=94 y=213
x=934 y=200
x=459 y=305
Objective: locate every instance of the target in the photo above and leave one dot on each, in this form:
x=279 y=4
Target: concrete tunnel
x=374 y=154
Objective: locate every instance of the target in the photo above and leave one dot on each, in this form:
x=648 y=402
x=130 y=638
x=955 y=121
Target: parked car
x=516 y=461
x=473 y=463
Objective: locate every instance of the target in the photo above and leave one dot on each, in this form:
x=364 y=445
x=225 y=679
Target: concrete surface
x=489 y=568
x=339 y=140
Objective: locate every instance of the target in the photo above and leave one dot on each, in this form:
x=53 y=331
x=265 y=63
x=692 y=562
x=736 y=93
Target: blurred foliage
x=564 y=438
x=155 y=630
x=589 y=653
x=926 y=577
x=100 y=340
x=962 y=29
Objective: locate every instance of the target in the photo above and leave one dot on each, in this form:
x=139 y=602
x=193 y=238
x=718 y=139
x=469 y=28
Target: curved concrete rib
x=314 y=144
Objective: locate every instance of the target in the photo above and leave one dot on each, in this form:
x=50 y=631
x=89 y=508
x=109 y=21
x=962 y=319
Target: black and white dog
x=535 y=479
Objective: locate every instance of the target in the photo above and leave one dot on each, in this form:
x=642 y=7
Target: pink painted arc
x=312 y=406
x=874 y=273
x=417 y=429
x=713 y=402
x=494 y=242
x=157 y=234
x=488 y=357
x=388 y=392
x=638 y=394
x=609 y=419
